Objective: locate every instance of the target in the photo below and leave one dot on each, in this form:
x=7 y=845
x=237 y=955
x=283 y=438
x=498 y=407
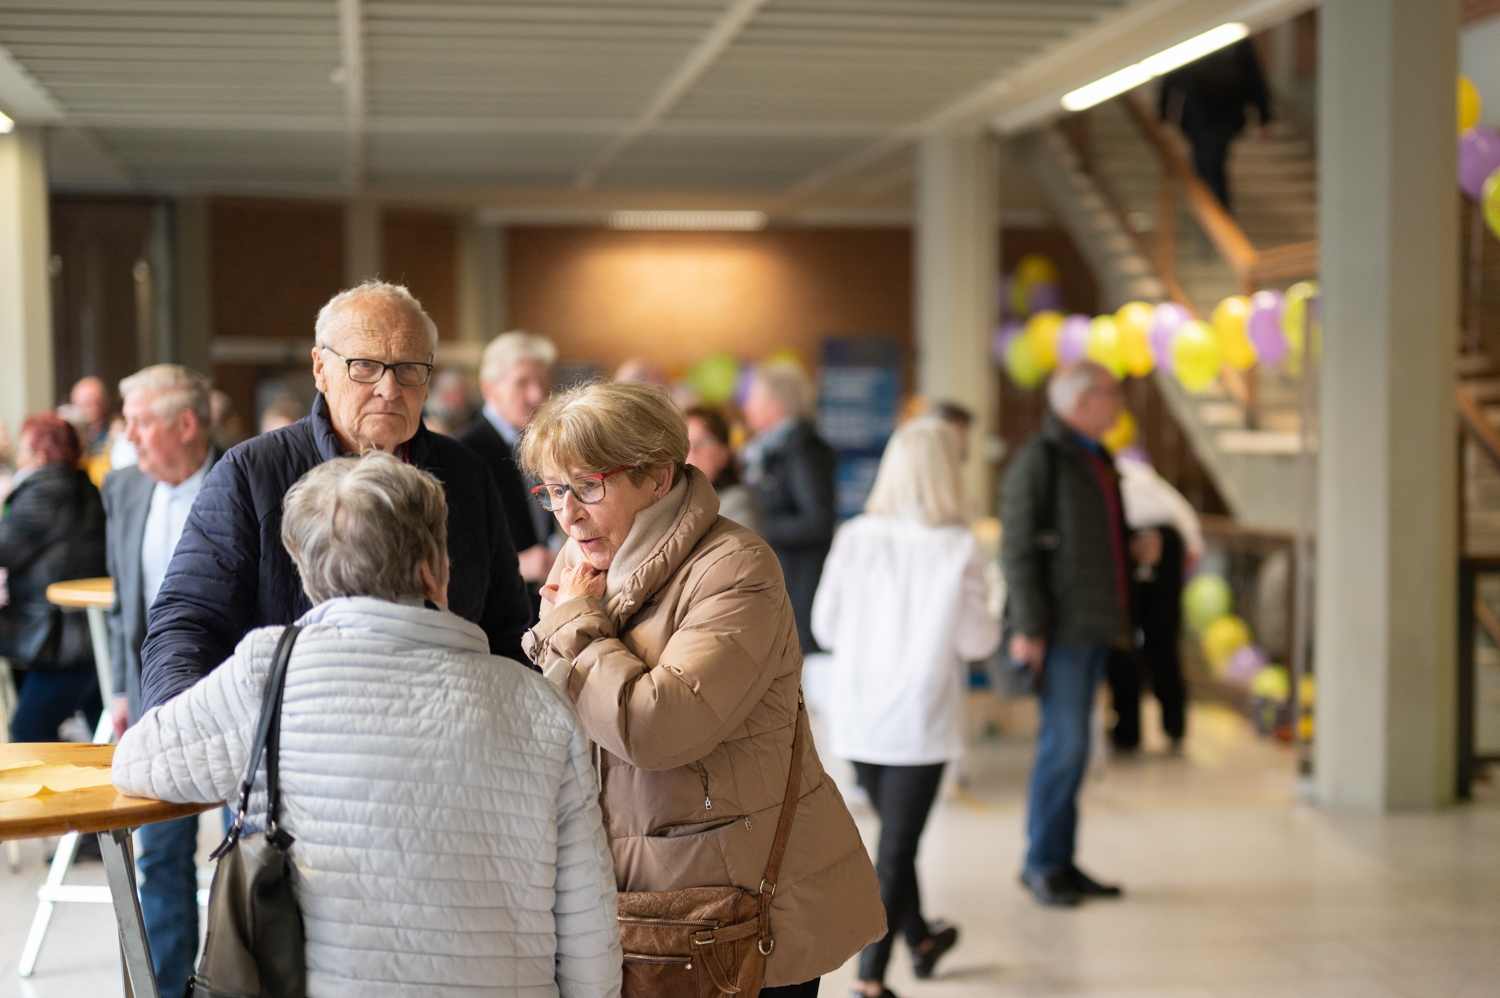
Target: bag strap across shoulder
x=783 y=830
x=267 y=742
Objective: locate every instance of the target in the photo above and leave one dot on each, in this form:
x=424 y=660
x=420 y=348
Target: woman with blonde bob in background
x=903 y=605
x=447 y=838
x=669 y=628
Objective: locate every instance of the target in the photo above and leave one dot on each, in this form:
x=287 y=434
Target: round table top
x=92 y=809
x=83 y=593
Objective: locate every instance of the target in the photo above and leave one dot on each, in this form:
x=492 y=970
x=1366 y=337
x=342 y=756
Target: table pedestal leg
x=119 y=865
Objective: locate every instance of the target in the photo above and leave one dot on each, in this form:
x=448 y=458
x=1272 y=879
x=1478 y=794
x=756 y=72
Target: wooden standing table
x=103 y=810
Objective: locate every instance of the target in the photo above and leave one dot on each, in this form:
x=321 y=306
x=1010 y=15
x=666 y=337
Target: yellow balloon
x=1042 y=329
x=1470 y=106
x=1294 y=316
x=1195 y=355
x=1020 y=300
x=1022 y=365
x=1222 y=639
x=1229 y=319
x=1122 y=434
x=1134 y=322
x=1490 y=198
x=1035 y=268
x=1103 y=345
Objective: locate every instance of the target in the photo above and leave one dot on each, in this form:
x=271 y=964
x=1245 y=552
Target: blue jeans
x=48 y=697
x=1072 y=673
x=169 y=899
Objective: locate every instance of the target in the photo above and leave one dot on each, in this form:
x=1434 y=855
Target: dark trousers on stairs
x=1158 y=606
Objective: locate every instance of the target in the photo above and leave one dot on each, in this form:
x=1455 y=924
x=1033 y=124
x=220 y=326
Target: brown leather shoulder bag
x=704 y=942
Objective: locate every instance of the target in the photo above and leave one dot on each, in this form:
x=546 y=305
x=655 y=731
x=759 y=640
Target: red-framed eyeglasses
x=588 y=490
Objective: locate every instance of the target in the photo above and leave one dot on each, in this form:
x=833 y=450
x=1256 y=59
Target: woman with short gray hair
x=447 y=833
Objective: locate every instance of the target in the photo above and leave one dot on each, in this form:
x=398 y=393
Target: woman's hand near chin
x=577 y=581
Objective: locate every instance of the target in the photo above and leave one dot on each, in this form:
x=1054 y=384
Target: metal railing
x=1478 y=727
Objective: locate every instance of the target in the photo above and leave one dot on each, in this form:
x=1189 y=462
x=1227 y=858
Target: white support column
x=481 y=281
x=363 y=249
x=957 y=242
x=25 y=285
x=1387 y=559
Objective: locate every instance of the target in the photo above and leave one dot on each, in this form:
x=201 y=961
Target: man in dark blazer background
x=167 y=417
x=515 y=377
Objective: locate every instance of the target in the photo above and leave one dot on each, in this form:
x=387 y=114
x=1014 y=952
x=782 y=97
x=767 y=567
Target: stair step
x=1472 y=365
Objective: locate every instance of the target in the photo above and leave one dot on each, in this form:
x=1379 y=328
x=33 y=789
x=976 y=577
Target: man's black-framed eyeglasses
x=589 y=490
x=409 y=374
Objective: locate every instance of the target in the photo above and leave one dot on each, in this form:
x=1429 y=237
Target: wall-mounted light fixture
x=6 y=124
x=737 y=220
x=1163 y=62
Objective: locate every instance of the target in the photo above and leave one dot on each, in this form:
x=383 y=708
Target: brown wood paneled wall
x=420 y=250
x=605 y=295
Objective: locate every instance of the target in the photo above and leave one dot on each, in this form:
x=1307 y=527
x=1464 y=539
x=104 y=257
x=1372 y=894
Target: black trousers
x=1158 y=609
x=807 y=989
x=1210 y=153
x=902 y=796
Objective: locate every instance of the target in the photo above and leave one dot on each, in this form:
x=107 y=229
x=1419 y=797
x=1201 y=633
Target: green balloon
x=1205 y=600
x=715 y=378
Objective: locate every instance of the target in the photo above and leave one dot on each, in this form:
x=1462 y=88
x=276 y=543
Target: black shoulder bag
x=254 y=944
x=1010 y=678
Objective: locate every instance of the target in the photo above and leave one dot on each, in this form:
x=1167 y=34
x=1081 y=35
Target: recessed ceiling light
x=738 y=220
x=1163 y=62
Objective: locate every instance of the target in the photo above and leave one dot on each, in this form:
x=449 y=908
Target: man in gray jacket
x=1067 y=562
x=167 y=414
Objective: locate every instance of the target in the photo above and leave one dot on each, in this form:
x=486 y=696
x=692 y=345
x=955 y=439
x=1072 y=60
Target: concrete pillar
x=481 y=281
x=956 y=246
x=25 y=285
x=1387 y=558
x=362 y=241
x=194 y=300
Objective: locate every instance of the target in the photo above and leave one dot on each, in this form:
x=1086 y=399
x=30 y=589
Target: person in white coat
x=442 y=801
x=903 y=605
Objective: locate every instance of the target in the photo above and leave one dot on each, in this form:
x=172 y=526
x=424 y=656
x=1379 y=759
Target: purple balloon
x=1265 y=332
x=1073 y=338
x=1246 y=661
x=1168 y=317
x=1007 y=332
x=1478 y=157
x=1044 y=297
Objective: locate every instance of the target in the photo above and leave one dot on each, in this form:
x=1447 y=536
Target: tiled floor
x=1235 y=889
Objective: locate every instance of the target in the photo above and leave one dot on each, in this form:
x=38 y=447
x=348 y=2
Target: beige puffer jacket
x=689 y=691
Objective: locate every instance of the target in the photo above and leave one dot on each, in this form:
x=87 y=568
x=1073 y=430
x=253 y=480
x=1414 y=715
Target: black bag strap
x=268 y=742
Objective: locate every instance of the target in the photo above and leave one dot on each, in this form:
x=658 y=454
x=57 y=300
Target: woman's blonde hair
x=920 y=475
x=603 y=425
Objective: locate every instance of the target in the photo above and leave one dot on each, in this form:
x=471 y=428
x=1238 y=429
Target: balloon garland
x=1478 y=155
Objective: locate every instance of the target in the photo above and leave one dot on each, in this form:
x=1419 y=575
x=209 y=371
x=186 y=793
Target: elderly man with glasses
x=372 y=359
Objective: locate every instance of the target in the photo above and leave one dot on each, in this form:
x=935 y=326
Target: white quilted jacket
x=448 y=836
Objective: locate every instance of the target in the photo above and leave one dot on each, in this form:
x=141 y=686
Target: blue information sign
x=859 y=390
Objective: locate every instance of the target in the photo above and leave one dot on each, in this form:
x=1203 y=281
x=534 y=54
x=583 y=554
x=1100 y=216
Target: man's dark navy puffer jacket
x=231 y=573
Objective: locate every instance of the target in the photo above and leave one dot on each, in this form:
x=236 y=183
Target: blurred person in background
x=668 y=629
x=790 y=468
x=515 y=377
x=168 y=413
x=710 y=453
x=284 y=411
x=442 y=800
x=372 y=359
x=1207 y=99
x=1169 y=539
x=52 y=531
x=1067 y=572
x=90 y=398
x=961 y=419
x=640 y=369
x=451 y=405
x=902 y=606
x=226 y=428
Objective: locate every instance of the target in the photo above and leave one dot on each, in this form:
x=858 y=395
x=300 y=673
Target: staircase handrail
x=1476 y=426
x=1249 y=264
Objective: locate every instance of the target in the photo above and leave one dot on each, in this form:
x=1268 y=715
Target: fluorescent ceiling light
x=1163 y=62
x=741 y=220
x=6 y=124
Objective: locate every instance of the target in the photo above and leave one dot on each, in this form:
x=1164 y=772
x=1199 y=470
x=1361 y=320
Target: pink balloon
x=1168 y=316
x=1073 y=338
x=1246 y=661
x=1478 y=157
x=1264 y=327
x=1001 y=339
